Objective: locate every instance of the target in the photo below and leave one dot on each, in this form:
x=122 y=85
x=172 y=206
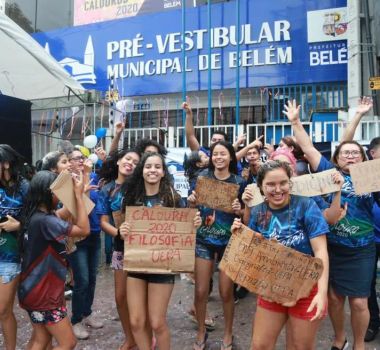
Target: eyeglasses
x=354 y=154
x=272 y=187
x=77 y=159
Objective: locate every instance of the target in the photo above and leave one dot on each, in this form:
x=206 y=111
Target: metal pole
x=209 y=90
x=237 y=91
x=183 y=64
x=369 y=49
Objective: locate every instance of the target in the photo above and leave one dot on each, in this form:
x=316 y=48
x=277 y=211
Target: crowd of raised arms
x=43 y=245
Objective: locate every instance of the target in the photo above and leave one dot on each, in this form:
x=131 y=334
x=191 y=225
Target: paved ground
x=183 y=330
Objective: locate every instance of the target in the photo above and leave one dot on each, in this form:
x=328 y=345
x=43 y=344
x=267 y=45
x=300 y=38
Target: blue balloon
x=101 y=132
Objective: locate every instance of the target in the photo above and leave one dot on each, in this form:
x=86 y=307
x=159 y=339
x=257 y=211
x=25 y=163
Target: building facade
x=240 y=63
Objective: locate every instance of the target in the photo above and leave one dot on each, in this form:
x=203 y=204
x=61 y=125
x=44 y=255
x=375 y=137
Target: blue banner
x=282 y=43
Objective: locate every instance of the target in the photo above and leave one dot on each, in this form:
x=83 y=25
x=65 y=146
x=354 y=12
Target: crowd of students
x=37 y=235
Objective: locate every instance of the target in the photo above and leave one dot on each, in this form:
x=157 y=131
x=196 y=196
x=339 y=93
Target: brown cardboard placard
x=268 y=268
x=63 y=188
x=216 y=194
x=365 y=176
x=162 y=240
x=314 y=184
x=258 y=198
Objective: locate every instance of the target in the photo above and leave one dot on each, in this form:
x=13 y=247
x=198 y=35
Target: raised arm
x=364 y=105
x=257 y=143
x=119 y=127
x=292 y=111
x=239 y=140
x=81 y=225
x=191 y=139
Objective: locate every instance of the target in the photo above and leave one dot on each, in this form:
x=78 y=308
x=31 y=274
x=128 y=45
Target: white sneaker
x=92 y=322
x=80 y=331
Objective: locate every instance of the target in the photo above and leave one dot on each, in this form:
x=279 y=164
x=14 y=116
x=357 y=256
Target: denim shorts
x=48 y=317
x=209 y=251
x=9 y=271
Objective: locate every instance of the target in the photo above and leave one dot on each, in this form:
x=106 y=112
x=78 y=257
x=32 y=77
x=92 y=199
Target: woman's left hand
x=319 y=302
x=338 y=178
x=236 y=206
x=125 y=230
x=10 y=225
x=197 y=220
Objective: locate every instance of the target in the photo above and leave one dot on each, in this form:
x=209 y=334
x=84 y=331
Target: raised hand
x=292 y=111
x=364 y=105
x=186 y=106
x=78 y=183
x=101 y=153
x=119 y=127
x=338 y=178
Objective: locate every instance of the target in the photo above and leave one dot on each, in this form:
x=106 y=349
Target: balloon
x=90 y=141
x=85 y=151
x=101 y=132
x=93 y=157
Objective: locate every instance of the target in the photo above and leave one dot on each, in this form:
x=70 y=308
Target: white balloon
x=90 y=141
x=93 y=157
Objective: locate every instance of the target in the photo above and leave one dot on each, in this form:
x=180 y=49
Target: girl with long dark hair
x=212 y=239
x=114 y=172
x=44 y=265
x=148 y=295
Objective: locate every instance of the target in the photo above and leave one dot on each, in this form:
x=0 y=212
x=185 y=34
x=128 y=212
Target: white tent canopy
x=27 y=71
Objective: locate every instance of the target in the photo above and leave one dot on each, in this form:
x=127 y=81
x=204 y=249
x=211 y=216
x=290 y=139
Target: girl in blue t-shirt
x=297 y=223
x=351 y=243
x=212 y=239
x=148 y=294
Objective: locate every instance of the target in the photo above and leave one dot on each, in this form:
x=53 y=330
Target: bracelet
x=118 y=233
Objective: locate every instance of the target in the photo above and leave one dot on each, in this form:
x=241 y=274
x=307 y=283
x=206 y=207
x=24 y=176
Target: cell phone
x=3 y=219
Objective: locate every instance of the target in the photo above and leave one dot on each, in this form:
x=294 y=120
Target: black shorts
x=153 y=277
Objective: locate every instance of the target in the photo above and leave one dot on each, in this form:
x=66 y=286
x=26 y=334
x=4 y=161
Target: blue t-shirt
x=293 y=226
x=321 y=203
x=109 y=201
x=216 y=224
x=11 y=203
x=376 y=221
x=356 y=228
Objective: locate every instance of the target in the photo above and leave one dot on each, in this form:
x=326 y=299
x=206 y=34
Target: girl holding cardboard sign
x=298 y=223
x=212 y=239
x=148 y=294
x=44 y=266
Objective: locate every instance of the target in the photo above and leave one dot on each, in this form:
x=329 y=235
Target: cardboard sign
x=314 y=184
x=258 y=198
x=268 y=268
x=365 y=176
x=63 y=188
x=162 y=240
x=216 y=194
